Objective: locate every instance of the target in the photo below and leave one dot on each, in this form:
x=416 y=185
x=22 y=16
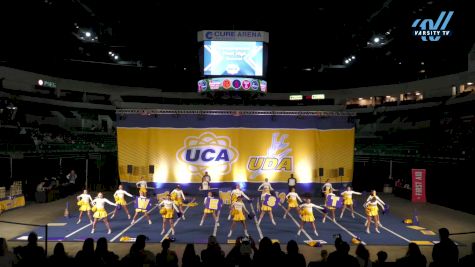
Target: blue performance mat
x=393 y=230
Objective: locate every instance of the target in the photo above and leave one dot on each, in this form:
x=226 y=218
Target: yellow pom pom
x=79 y=203
x=94 y=209
x=163 y=211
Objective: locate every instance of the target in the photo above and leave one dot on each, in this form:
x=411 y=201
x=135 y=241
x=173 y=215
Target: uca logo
x=208 y=151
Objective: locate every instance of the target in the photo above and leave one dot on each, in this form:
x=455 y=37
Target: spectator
x=167 y=258
x=362 y=255
x=445 y=253
x=7 y=258
x=86 y=256
x=212 y=256
x=292 y=182
x=104 y=256
x=381 y=261
x=59 y=257
x=468 y=260
x=41 y=187
x=278 y=256
x=190 y=259
x=234 y=256
x=413 y=258
x=32 y=254
x=149 y=256
x=264 y=253
x=294 y=258
x=134 y=259
x=340 y=257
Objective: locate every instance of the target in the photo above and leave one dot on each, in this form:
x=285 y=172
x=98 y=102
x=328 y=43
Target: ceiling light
x=353 y=57
x=469 y=83
x=347 y=61
x=116 y=57
x=88 y=34
x=360 y=98
x=376 y=39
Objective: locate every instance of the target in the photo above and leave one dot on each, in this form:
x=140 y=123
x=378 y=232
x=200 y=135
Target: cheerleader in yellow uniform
x=209 y=211
x=142 y=186
x=330 y=208
x=293 y=200
x=178 y=197
x=235 y=194
x=100 y=212
x=348 y=201
x=237 y=208
x=306 y=215
x=142 y=199
x=265 y=208
x=372 y=211
x=167 y=213
x=83 y=202
x=119 y=197
x=264 y=185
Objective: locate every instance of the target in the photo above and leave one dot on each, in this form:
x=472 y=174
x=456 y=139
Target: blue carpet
x=393 y=232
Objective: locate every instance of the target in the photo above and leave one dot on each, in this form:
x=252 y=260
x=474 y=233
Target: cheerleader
x=100 y=212
x=330 y=208
x=142 y=186
x=142 y=197
x=372 y=211
x=237 y=208
x=293 y=200
x=209 y=211
x=264 y=185
x=306 y=214
x=265 y=208
x=83 y=202
x=178 y=197
x=235 y=194
x=326 y=188
x=119 y=197
x=167 y=213
x=348 y=201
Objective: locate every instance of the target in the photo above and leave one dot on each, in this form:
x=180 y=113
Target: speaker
x=341 y=172
x=151 y=169
x=320 y=172
x=129 y=169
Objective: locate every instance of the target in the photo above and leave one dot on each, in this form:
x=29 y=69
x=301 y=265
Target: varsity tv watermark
x=430 y=31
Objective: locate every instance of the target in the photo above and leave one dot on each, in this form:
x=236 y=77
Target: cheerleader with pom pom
x=167 y=212
x=235 y=194
x=178 y=197
x=100 y=212
x=83 y=202
x=266 y=208
x=372 y=211
x=306 y=215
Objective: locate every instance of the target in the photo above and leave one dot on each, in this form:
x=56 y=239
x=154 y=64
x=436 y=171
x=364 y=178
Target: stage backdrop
x=179 y=148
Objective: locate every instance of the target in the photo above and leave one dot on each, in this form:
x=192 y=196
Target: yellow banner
x=234 y=155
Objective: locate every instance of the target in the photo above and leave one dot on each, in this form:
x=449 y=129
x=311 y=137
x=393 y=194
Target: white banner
x=257 y=36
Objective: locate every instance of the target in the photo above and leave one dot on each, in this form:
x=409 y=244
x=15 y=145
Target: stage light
x=181 y=171
x=110 y=53
x=347 y=61
x=116 y=57
x=353 y=57
x=88 y=34
x=376 y=39
x=469 y=83
x=360 y=98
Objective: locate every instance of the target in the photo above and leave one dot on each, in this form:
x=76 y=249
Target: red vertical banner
x=418 y=185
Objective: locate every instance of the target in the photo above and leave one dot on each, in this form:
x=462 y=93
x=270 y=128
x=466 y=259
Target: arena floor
x=393 y=238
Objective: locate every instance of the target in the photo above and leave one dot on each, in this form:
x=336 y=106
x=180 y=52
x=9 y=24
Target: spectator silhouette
x=381 y=261
x=468 y=260
x=59 y=257
x=149 y=256
x=278 y=256
x=7 y=258
x=190 y=259
x=264 y=253
x=362 y=255
x=413 y=257
x=340 y=257
x=445 y=253
x=167 y=258
x=86 y=256
x=294 y=258
x=212 y=256
x=234 y=256
x=322 y=262
x=135 y=258
x=104 y=256
x=32 y=254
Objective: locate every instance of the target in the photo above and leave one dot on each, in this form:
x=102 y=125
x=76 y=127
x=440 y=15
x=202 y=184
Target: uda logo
x=208 y=151
x=276 y=160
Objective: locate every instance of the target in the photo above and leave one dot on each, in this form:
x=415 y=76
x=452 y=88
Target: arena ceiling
x=156 y=44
